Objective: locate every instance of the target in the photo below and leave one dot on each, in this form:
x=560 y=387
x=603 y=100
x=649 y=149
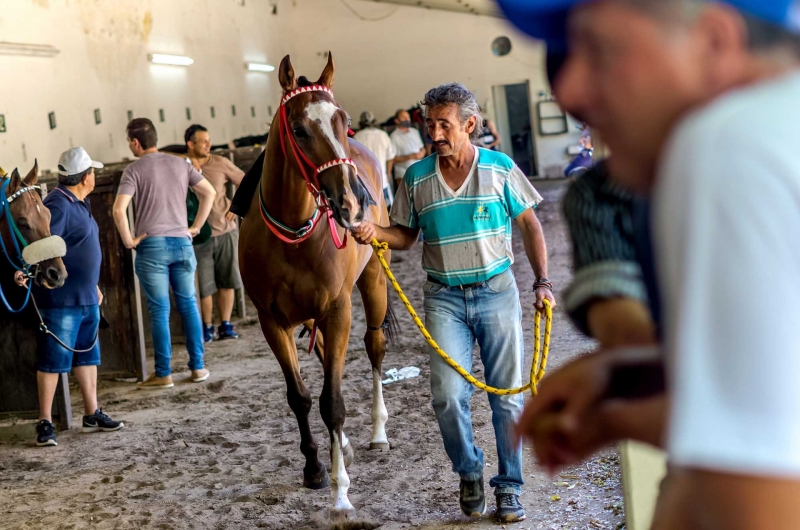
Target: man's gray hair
x=459 y=95
x=763 y=35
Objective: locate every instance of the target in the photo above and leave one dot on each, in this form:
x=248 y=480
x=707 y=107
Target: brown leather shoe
x=198 y=376
x=155 y=383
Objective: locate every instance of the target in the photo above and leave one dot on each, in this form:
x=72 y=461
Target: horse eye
x=23 y=225
x=300 y=133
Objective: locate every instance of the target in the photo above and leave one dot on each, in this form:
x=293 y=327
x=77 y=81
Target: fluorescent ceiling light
x=475 y=7
x=174 y=60
x=28 y=50
x=260 y=67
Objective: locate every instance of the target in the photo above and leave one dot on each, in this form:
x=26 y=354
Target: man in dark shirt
x=72 y=313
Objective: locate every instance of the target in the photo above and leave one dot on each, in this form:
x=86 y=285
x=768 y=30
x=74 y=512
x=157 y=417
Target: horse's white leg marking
x=340 y=482
x=379 y=413
x=345 y=441
x=322 y=112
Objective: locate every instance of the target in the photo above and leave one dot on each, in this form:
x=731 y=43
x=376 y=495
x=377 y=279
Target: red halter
x=312 y=181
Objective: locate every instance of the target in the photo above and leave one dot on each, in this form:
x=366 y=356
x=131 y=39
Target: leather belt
x=463 y=287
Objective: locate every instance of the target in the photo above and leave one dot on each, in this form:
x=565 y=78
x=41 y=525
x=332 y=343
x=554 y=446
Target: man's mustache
x=441 y=142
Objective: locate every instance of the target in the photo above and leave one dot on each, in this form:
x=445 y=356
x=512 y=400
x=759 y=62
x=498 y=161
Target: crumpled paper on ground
x=394 y=375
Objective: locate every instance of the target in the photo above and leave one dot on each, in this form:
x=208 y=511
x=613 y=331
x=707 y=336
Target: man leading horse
x=463 y=200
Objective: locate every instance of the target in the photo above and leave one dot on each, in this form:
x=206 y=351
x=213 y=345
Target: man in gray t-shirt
x=158 y=183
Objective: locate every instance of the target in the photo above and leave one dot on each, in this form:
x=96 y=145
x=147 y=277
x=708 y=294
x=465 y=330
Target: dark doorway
x=513 y=112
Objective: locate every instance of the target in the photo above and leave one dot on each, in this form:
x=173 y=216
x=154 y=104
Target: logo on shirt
x=481 y=213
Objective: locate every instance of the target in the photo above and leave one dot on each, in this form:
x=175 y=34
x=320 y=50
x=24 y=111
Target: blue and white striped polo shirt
x=467 y=231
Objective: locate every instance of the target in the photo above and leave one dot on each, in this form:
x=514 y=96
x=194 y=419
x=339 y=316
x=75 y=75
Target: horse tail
x=391 y=326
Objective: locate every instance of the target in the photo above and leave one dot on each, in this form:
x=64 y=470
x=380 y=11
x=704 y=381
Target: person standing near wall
x=158 y=184
x=379 y=143
x=489 y=138
x=407 y=143
x=217 y=258
x=72 y=312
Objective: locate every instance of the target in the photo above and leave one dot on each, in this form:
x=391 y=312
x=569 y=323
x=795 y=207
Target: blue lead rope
x=5 y=210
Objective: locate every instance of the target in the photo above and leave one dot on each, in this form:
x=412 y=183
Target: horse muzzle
x=47 y=253
x=50 y=247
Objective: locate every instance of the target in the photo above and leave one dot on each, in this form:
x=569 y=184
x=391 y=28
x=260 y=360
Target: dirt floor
x=225 y=454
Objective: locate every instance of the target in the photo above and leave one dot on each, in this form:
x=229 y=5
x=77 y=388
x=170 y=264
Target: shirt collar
x=68 y=194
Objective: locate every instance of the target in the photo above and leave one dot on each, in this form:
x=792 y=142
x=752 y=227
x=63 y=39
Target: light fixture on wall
x=259 y=67
x=28 y=50
x=172 y=60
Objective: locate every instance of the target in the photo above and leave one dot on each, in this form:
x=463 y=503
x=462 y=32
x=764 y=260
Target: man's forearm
x=203 y=210
x=121 y=220
x=535 y=246
x=643 y=420
x=397 y=238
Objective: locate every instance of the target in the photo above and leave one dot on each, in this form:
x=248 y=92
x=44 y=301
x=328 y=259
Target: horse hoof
x=340 y=515
x=379 y=446
x=348 y=454
x=318 y=481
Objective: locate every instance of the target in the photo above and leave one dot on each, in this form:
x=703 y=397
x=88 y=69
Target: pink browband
x=303 y=90
x=337 y=162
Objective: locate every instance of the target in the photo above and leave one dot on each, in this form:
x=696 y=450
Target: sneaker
x=99 y=421
x=198 y=376
x=209 y=333
x=45 y=434
x=471 y=497
x=509 y=509
x=155 y=383
x=226 y=331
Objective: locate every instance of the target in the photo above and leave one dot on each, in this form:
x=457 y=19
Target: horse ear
x=33 y=176
x=15 y=180
x=286 y=75
x=327 y=74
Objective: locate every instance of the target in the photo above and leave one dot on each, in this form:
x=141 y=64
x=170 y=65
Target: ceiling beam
x=474 y=7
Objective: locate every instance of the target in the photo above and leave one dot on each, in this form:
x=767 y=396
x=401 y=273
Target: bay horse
x=21 y=206
x=25 y=238
x=298 y=268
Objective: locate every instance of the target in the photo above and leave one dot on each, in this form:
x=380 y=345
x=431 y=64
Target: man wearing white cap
x=72 y=312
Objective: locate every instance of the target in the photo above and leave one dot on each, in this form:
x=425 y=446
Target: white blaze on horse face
x=340 y=482
x=322 y=112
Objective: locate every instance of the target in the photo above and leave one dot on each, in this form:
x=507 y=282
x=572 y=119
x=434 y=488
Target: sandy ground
x=225 y=454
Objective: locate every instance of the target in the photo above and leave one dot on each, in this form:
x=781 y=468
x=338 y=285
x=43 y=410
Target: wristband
x=543 y=282
x=636 y=381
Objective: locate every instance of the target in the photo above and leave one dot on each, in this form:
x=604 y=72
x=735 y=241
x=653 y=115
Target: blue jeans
x=162 y=262
x=75 y=326
x=491 y=315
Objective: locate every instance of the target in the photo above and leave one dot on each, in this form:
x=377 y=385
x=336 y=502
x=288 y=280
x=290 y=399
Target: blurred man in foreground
x=694 y=98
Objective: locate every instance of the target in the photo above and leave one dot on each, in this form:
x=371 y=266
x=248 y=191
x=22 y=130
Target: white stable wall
x=381 y=66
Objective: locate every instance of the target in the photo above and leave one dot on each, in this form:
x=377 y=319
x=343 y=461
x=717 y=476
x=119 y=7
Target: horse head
x=319 y=126
x=33 y=221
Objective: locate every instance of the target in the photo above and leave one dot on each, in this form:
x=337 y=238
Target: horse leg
x=336 y=328
x=315 y=476
x=372 y=286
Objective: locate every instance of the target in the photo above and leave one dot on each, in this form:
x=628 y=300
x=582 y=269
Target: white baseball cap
x=76 y=161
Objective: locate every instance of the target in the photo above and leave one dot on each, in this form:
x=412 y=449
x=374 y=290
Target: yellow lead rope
x=540 y=352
